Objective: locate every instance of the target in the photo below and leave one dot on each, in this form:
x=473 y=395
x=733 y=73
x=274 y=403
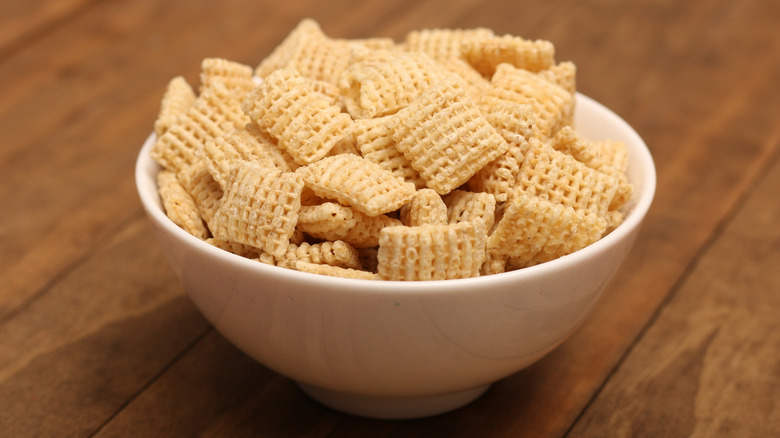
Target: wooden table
x=97 y=336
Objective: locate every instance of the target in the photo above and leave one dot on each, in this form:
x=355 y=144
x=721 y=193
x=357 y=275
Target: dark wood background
x=97 y=337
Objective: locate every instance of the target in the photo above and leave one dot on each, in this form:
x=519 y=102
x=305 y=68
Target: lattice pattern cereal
x=449 y=155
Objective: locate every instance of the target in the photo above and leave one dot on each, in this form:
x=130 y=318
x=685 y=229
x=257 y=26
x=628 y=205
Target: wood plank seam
x=760 y=175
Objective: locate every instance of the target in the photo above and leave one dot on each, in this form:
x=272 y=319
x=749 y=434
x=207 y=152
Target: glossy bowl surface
x=402 y=349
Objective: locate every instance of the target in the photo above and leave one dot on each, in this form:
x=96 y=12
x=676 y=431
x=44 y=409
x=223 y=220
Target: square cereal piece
x=304 y=121
x=534 y=230
x=178 y=98
x=426 y=207
x=485 y=53
x=179 y=205
x=259 y=208
x=445 y=136
x=355 y=181
x=431 y=252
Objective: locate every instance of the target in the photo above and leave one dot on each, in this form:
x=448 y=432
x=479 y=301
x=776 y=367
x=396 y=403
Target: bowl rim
x=147 y=191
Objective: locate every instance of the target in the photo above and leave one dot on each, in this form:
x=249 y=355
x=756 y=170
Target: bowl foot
x=393 y=407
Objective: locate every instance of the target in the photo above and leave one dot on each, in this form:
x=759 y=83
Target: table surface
x=98 y=338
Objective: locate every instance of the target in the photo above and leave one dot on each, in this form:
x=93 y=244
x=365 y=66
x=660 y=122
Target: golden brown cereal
x=445 y=136
x=234 y=76
x=561 y=179
x=259 y=208
x=205 y=191
x=535 y=230
x=332 y=221
x=552 y=104
x=248 y=144
x=431 y=252
x=355 y=181
x=215 y=112
x=336 y=253
x=375 y=141
x=383 y=83
x=443 y=44
x=563 y=74
x=607 y=156
x=426 y=207
x=334 y=271
x=304 y=121
x=493 y=264
x=515 y=123
x=236 y=248
x=178 y=98
x=487 y=53
x=179 y=205
x=474 y=83
x=465 y=206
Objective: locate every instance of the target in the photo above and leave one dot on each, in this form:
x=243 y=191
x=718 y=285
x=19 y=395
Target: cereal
x=485 y=53
x=445 y=136
x=382 y=85
x=375 y=141
x=214 y=112
x=260 y=208
x=178 y=98
x=450 y=155
x=179 y=205
x=552 y=104
x=333 y=221
x=534 y=230
x=355 y=181
x=303 y=121
x=426 y=207
x=431 y=252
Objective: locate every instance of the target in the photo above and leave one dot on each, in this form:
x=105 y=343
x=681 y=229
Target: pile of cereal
x=448 y=155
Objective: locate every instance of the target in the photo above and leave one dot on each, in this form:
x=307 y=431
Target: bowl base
x=393 y=407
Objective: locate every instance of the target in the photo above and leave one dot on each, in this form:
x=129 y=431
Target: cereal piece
x=487 y=53
x=205 y=191
x=610 y=157
x=259 y=208
x=305 y=122
x=493 y=264
x=463 y=206
x=558 y=177
x=355 y=181
x=515 y=123
x=332 y=221
x=445 y=136
x=374 y=139
x=443 y=44
x=178 y=98
x=312 y=53
x=474 y=83
x=215 y=112
x=431 y=252
x=336 y=253
x=563 y=74
x=234 y=247
x=179 y=205
x=248 y=144
x=552 y=104
x=334 y=271
x=234 y=76
x=426 y=207
x=535 y=230
x=383 y=82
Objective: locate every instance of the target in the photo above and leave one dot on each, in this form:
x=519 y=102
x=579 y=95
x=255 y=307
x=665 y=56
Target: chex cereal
x=450 y=154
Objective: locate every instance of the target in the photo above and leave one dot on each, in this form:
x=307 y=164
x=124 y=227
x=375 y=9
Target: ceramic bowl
x=402 y=349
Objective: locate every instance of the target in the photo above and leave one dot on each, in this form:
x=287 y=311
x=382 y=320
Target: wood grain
x=97 y=337
x=709 y=365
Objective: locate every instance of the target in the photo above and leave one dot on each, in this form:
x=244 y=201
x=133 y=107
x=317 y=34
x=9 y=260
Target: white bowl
x=402 y=349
